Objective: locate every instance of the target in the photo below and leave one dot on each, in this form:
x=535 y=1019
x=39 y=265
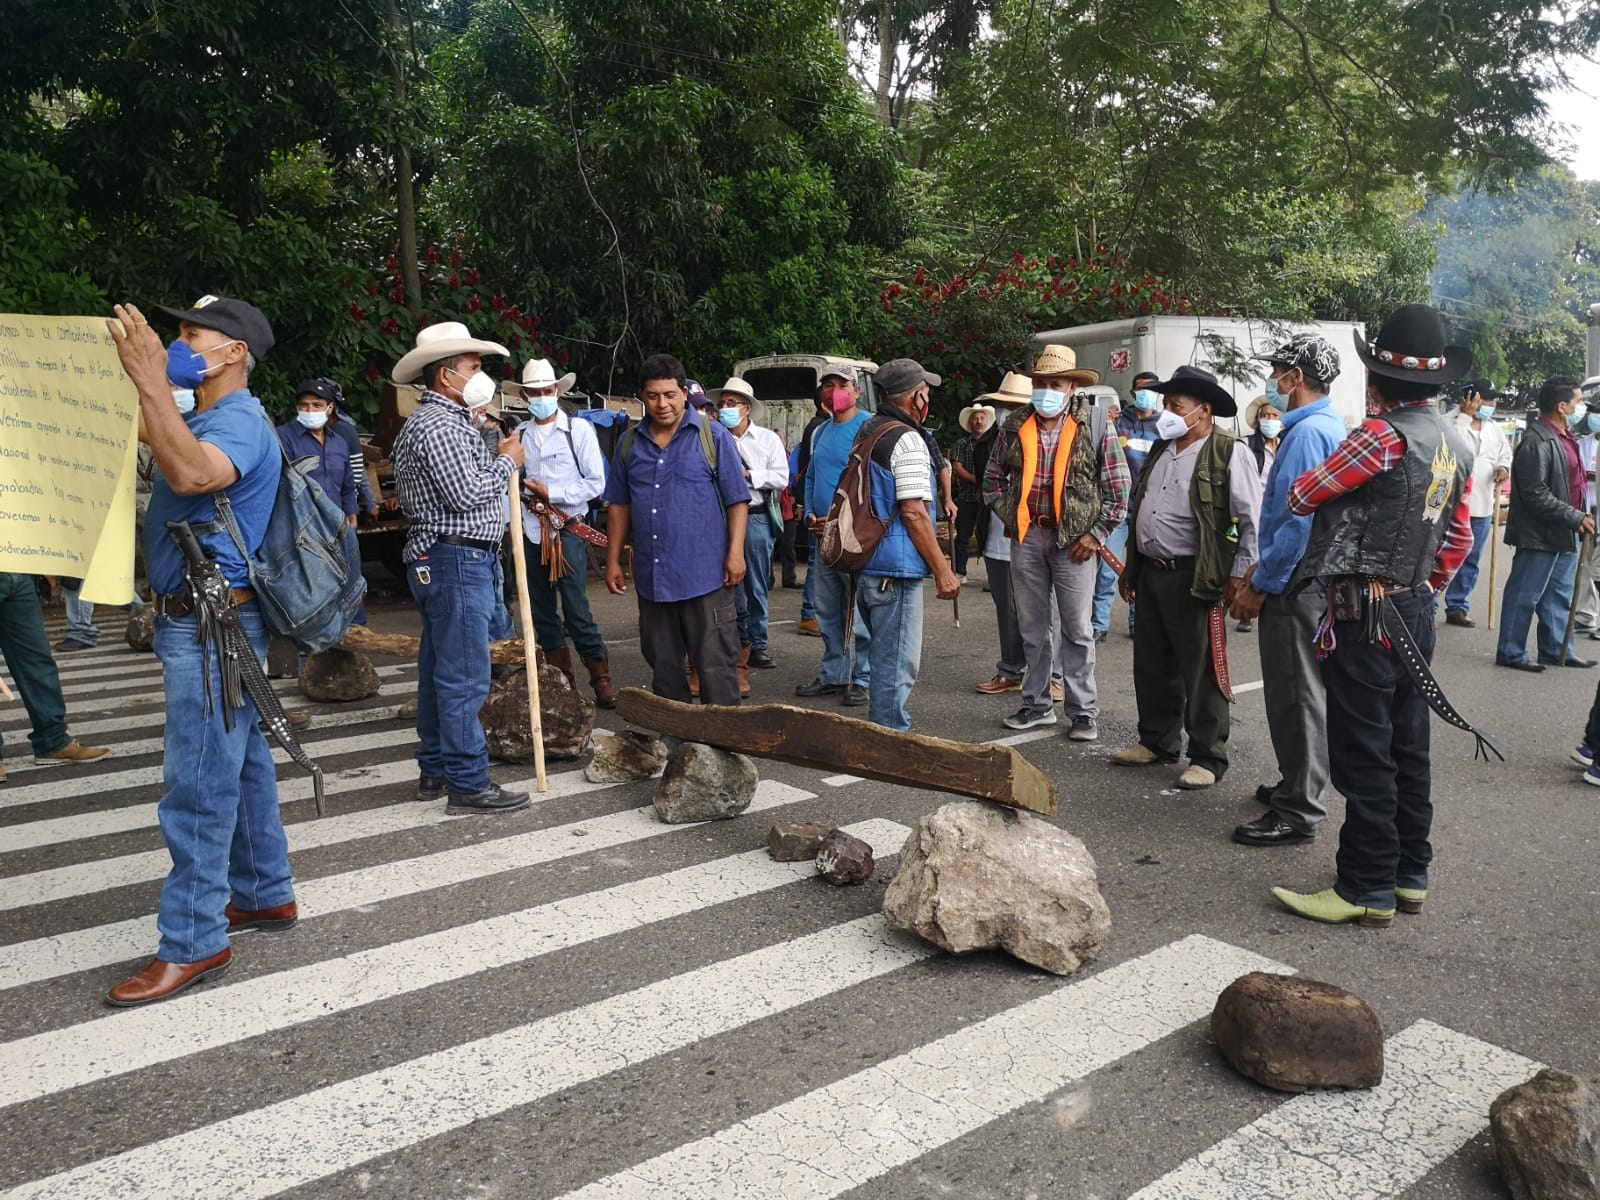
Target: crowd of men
x=1334 y=545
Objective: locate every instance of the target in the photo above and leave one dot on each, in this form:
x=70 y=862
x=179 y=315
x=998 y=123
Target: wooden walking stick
x=519 y=557
x=1494 y=558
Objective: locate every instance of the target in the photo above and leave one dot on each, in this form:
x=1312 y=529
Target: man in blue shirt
x=311 y=436
x=677 y=485
x=1136 y=430
x=219 y=814
x=1302 y=369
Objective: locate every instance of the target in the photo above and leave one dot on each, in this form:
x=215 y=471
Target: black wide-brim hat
x=1411 y=346
x=1203 y=386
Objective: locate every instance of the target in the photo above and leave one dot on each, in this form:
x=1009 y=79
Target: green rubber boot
x=1333 y=909
x=1409 y=900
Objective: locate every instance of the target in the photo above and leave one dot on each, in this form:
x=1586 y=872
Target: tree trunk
x=404 y=192
x=887 y=46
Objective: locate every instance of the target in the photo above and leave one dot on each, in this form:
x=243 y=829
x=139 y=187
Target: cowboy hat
x=1248 y=419
x=742 y=389
x=1062 y=360
x=444 y=340
x=1199 y=385
x=1411 y=346
x=538 y=373
x=965 y=415
x=1016 y=389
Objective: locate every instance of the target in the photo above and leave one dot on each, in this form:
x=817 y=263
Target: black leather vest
x=1391 y=526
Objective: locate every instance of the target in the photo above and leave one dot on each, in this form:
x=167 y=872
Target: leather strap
x=1217 y=620
x=1398 y=636
x=181 y=604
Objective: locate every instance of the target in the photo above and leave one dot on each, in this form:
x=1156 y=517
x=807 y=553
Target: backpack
x=307 y=573
x=853 y=530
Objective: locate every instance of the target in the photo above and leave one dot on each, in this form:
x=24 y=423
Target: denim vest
x=896 y=556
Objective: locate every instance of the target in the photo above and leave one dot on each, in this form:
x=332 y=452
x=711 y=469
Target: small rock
x=795 y=841
x=141 y=634
x=844 y=859
x=339 y=674
x=565 y=718
x=407 y=711
x=704 y=784
x=1292 y=1034
x=1547 y=1136
x=619 y=757
x=975 y=876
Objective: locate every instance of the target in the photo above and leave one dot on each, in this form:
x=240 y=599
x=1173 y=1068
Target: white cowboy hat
x=444 y=340
x=1248 y=420
x=1016 y=389
x=742 y=389
x=538 y=373
x=964 y=417
x=1063 y=360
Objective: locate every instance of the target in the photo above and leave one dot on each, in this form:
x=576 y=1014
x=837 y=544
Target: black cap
x=900 y=375
x=323 y=389
x=236 y=318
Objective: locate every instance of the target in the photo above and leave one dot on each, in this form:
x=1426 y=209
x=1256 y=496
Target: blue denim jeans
x=1540 y=584
x=219 y=813
x=553 y=625
x=892 y=609
x=832 y=597
x=454 y=587
x=1458 y=597
x=1105 y=584
x=753 y=612
x=808 y=597
x=80 y=618
x=501 y=626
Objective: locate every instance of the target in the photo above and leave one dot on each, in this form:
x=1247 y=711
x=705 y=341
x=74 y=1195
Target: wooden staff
x=1494 y=558
x=519 y=558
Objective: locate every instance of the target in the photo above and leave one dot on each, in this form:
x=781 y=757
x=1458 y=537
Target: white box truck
x=1119 y=350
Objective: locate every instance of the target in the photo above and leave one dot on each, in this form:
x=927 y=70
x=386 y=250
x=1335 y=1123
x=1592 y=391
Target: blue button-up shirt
x=1310 y=435
x=567 y=460
x=679 y=508
x=331 y=470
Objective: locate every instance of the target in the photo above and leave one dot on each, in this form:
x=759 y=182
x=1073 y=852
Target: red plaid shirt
x=1372 y=448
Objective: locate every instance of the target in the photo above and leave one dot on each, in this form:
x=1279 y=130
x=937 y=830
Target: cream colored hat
x=444 y=340
x=965 y=415
x=1248 y=420
x=1062 y=360
x=1016 y=389
x=538 y=373
x=742 y=389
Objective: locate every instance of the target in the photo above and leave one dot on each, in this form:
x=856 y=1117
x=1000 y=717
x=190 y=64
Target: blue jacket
x=332 y=470
x=1310 y=435
x=897 y=556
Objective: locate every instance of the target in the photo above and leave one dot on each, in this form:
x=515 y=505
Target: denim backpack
x=307 y=573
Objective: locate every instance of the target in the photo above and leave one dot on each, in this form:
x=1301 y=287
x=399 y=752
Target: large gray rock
x=1293 y=1034
x=619 y=757
x=843 y=859
x=141 y=633
x=1547 y=1136
x=566 y=718
x=974 y=876
x=339 y=674
x=703 y=784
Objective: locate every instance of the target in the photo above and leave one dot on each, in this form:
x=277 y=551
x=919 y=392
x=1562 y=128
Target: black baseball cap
x=322 y=389
x=236 y=318
x=900 y=375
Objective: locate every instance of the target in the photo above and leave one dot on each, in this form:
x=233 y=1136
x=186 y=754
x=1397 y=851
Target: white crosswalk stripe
x=378 y=1105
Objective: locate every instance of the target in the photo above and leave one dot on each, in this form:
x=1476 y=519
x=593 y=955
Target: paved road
x=578 y=1000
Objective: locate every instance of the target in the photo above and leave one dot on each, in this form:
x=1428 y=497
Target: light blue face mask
x=184 y=399
x=1593 y=421
x=730 y=417
x=1145 y=400
x=312 y=420
x=1577 y=420
x=1270 y=429
x=1485 y=411
x=1273 y=395
x=1048 y=402
x=542 y=408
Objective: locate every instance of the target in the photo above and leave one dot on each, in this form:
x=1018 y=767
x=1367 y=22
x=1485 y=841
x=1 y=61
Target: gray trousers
x=1013 y=662
x=706 y=627
x=1045 y=581
x=1297 y=705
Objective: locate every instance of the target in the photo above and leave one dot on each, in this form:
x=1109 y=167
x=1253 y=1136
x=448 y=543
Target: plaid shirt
x=965 y=455
x=1372 y=448
x=447 y=480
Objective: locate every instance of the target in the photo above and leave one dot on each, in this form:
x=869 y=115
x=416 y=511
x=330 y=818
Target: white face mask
x=312 y=420
x=184 y=399
x=478 y=391
x=1170 y=427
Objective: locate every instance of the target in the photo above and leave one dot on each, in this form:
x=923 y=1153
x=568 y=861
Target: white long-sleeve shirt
x=765 y=459
x=1490 y=449
x=564 y=456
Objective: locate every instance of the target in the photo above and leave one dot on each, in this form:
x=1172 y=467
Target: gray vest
x=1391 y=526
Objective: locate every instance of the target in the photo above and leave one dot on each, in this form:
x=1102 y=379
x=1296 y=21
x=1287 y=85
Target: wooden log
x=397 y=645
x=808 y=738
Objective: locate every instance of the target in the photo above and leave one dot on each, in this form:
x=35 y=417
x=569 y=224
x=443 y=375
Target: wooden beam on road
x=397 y=645
x=830 y=741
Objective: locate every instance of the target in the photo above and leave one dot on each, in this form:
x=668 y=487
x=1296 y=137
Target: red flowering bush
x=971 y=326
x=376 y=327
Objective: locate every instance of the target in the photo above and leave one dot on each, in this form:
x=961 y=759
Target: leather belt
x=1169 y=564
x=455 y=539
x=1046 y=522
x=181 y=604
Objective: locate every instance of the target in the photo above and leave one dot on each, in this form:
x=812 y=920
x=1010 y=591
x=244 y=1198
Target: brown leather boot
x=561 y=660
x=600 y=680
x=744 y=672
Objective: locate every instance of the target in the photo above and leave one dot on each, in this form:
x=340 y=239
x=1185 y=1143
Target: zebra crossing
x=457 y=989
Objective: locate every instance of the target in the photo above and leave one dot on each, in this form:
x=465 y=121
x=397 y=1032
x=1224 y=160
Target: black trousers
x=707 y=627
x=786 y=547
x=971 y=517
x=1378 y=756
x=1173 y=680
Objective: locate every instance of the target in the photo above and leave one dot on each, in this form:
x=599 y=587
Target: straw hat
x=1062 y=360
x=1016 y=389
x=538 y=373
x=1248 y=420
x=965 y=415
x=444 y=340
x=742 y=389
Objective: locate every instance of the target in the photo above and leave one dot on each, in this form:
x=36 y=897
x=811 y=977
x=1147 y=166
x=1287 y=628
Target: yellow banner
x=68 y=417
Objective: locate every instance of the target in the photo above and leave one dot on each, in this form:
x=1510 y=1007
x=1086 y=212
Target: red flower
x=474 y=276
x=390 y=326
x=533 y=323
x=372 y=289
x=497 y=302
x=398 y=295
x=357 y=313
x=563 y=357
x=422 y=320
x=473 y=304
x=392 y=263
x=516 y=341
x=920 y=278
x=1017 y=259
x=937 y=347
x=455 y=281
x=911 y=331
x=373 y=374
x=513 y=313
x=433 y=255
x=455 y=258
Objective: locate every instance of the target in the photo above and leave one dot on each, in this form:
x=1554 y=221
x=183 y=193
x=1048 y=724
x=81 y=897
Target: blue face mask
x=1593 y=421
x=543 y=408
x=185 y=367
x=1048 y=402
x=312 y=420
x=730 y=417
x=1145 y=400
x=1270 y=429
x=1577 y=420
x=1485 y=411
x=184 y=399
x=1273 y=395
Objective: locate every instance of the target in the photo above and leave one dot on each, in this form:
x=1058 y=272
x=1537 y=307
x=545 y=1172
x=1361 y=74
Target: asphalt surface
x=576 y=997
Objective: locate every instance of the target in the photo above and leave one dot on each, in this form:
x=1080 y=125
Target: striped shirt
x=447 y=480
